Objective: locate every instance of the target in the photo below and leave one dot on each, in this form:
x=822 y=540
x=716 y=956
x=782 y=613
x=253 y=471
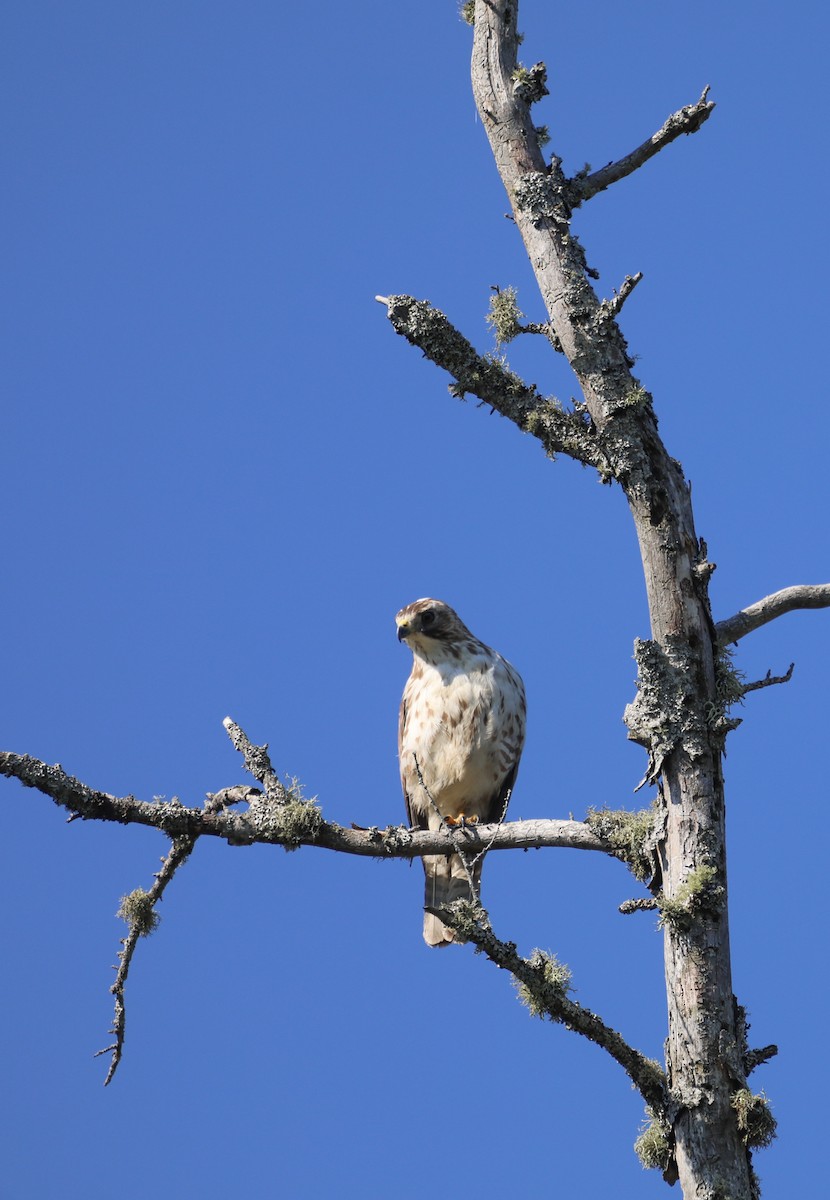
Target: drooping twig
x=480 y=855
x=686 y=120
x=549 y=997
x=806 y=595
x=454 y=831
x=139 y=910
x=468 y=859
x=142 y=903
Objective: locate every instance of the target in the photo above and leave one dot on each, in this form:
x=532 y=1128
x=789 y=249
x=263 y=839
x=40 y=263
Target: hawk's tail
x=446 y=881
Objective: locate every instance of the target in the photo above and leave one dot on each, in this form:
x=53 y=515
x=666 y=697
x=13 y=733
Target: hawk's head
x=424 y=623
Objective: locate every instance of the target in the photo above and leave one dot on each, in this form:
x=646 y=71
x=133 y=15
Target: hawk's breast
x=464 y=725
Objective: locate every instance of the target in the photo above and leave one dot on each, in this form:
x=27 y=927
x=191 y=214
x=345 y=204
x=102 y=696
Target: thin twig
x=499 y=824
x=769 y=680
x=614 y=305
x=686 y=120
x=179 y=852
x=804 y=595
x=474 y=891
x=641 y=904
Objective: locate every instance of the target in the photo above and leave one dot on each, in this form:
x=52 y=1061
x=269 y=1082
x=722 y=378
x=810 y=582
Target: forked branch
x=292 y=823
x=769 y=680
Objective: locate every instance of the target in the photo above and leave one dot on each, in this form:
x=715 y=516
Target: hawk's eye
x=428 y=619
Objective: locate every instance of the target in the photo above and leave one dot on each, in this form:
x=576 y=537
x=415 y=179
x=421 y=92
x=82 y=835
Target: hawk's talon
x=461 y=821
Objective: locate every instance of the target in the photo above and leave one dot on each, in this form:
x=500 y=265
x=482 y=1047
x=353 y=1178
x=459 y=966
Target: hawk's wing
x=496 y=810
x=413 y=821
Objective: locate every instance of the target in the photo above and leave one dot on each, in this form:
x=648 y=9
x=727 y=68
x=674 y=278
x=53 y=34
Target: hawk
x=460 y=738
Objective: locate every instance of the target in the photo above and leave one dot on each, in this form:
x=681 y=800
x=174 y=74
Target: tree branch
x=757 y=1058
x=614 y=305
x=640 y=904
x=805 y=595
x=138 y=909
x=543 y=985
x=686 y=120
x=294 y=823
x=559 y=432
x=769 y=680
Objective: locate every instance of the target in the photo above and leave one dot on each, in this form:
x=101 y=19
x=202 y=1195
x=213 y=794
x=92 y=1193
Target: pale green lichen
x=542 y=135
x=637 y=397
x=512 y=383
x=630 y=833
x=467 y=918
x=285 y=816
x=536 y=195
x=755 y=1120
x=700 y=892
x=552 y=982
x=468 y=12
x=529 y=82
x=137 y=910
x=730 y=686
x=666 y=713
x=653 y=1145
x=505 y=316
x=299 y=822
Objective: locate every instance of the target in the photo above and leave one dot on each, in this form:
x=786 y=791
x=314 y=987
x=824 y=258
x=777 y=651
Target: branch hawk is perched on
x=462 y=726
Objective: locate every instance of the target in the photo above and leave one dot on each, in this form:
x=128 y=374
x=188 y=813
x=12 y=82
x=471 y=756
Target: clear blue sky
x=223 y=474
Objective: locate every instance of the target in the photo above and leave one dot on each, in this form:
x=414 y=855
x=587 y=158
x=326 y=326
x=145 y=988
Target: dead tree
x=704 y=1118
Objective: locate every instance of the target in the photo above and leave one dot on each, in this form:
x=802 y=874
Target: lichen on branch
x=755 y=1120
x=426 y=327
x=654 y=1146
x=700 y=893
x=665 y=714
x=543 y=985
x=136 y=908
x=553 y=978
x=633 y=835
x=505 y=316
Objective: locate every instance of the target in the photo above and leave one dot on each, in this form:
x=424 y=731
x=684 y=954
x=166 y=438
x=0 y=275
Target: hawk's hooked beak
x=403 y=630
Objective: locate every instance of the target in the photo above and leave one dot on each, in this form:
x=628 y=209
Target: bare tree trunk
x=676 y=715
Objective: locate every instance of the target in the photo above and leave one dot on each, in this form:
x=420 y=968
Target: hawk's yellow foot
x=462 y=820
